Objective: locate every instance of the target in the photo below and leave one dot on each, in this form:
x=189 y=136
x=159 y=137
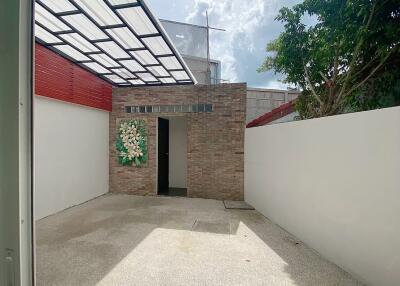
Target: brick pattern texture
x=215 y=155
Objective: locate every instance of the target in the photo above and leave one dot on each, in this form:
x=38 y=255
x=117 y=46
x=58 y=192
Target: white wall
x=335 y=184
x=177 y=152
x=71 y=155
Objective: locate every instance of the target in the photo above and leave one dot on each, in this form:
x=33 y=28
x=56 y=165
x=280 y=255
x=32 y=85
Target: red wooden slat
x=59 y=78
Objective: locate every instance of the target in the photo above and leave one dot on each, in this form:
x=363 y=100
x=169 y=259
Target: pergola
x=118 y=40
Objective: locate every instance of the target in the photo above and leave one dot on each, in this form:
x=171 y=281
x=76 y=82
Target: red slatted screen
x=58 y=78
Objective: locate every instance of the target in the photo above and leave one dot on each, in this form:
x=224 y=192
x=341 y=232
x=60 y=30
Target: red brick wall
x=59 y=78
x=215 y=155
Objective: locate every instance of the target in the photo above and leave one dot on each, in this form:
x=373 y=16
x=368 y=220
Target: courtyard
x=134 y=240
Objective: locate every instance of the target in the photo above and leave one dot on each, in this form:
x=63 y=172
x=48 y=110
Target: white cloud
x=250 y=26
x=241 y=19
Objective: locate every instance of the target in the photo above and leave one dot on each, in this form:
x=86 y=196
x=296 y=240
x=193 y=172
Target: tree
x=348 y=60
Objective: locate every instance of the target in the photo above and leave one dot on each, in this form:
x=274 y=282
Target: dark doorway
x=163 y=156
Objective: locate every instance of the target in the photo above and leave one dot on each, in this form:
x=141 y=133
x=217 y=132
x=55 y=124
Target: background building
x=191 y=41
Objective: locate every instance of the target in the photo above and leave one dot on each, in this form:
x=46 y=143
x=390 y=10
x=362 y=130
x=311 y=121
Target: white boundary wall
x=335 y=184
x=71 y=155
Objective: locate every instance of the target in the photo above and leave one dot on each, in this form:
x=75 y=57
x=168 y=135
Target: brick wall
x=215 y=155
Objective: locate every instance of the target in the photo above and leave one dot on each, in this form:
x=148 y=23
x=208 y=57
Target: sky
x=249 y=26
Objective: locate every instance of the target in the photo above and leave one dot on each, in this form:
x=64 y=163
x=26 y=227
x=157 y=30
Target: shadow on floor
x=129 y=240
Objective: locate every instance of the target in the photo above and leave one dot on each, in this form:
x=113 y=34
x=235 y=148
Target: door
x=163 y=155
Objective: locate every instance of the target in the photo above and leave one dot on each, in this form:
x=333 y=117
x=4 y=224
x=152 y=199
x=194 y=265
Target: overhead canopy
x=118 y=40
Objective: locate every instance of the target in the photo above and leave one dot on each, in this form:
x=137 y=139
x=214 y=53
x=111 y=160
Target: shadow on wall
x=140 y=239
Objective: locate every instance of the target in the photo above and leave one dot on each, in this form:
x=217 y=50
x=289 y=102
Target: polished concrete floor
x=130 y=240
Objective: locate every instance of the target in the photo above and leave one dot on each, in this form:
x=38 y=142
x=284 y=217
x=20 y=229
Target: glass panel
x=45 y=36
x=180 y=75
x=119 y=2
x=178 y=108
x=202 y=108
x=142 y=109
x=138 y=20
x=170 y=63
x=146 y=77
x=195 y=108
x=59 y=5
x=113 y=49
x=128 y=109
x=136 y=82
x=125 y=37
x=157 y=45
x=96 y=67
x=85 y=26
x=167 y=80
x=105 y=60
x=170 y=108
x=124 y=73
x=158 y=71
x=47 y=19
x=132 y=65
x=144 y=57
x=156 y=108
x=70 y=51
x=79 y=42
x=164 y=108
x=185 y=108
x=149 y=109
x=209 y=108
x=99 y=11
x=115 y=78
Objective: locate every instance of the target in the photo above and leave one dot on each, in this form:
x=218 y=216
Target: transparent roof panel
x=138 y=20
x=145 y=57
x=125 y=38
x=71 y=52
x=168 y=80
x=113 y=50
x=158 y=46
x=120 y=2
x=48 y=20
x=45 y=36
x=79 y=42
x=171 y=63
x=118 y=40
x=116 y=79
x=59 y=6
x=99 y=11
x=133 y=65
x=146 y=77
x=105 y=60
x=180 y=75
x=136 y=82
x=83 y=25
x=158 y=71
x=124 y=73
x=97 y=68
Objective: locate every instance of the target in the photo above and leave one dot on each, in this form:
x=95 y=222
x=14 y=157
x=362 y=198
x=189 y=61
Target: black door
x=163 y=156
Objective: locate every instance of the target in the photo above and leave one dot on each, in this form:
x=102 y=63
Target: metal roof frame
x=179 y=75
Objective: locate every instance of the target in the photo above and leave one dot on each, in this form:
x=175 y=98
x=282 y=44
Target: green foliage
x=347 y=61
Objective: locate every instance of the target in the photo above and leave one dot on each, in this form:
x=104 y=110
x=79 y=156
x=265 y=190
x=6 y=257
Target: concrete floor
x=129 y=240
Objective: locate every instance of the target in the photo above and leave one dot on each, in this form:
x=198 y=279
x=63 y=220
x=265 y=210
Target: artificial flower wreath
x=132 y=143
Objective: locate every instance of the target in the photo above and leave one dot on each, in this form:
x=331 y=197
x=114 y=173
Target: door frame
x=16 y=148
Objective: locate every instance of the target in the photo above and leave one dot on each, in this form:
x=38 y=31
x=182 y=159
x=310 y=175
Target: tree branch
x=356 y=52
x=307 y=77
x=372 y=72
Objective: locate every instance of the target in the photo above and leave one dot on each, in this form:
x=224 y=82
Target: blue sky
x=250 y=26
